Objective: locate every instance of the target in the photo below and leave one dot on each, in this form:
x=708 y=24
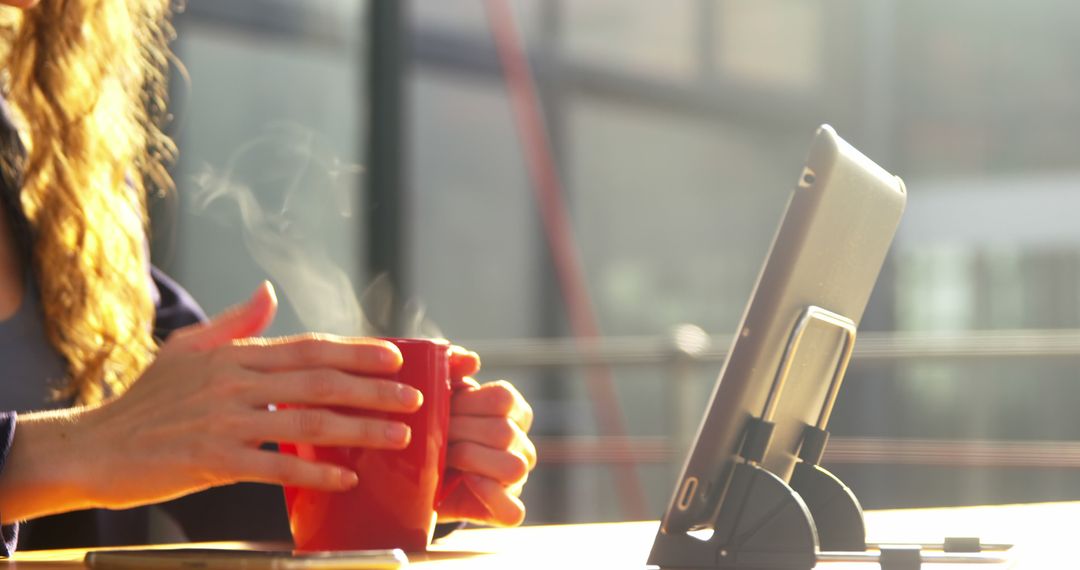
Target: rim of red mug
x=416 y=340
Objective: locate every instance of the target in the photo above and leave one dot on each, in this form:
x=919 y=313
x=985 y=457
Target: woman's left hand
x=489 y=445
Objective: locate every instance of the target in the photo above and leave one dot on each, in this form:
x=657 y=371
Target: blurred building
x=678 y=128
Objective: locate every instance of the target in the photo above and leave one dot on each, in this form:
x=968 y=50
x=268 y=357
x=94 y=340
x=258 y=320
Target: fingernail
x=270 y=290
x=397 y=433
x=270 y=293
x=391 y=354
x=348 y=478
x=410 y=396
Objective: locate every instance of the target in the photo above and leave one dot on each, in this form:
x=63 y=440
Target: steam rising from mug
x=289 y=165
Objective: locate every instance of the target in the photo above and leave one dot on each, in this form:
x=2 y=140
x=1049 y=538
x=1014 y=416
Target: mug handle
x=452 y=478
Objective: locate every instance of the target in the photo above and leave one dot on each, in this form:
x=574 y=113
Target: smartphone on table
x=213 y=559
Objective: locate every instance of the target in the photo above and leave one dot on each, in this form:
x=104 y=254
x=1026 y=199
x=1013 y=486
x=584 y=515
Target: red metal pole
x=559 y=231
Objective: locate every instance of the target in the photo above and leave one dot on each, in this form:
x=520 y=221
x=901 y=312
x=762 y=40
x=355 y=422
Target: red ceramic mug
x=395 y=502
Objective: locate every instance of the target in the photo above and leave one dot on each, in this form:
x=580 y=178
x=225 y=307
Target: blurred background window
x=676 y=130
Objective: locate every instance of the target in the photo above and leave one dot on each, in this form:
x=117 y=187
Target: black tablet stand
x=764 y=522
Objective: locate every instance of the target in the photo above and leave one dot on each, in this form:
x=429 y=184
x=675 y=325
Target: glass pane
x=276 y=121
x=770 y=43
x=988 y=87
x=639 y=36
x=469 y=17
x=474 y=253
x=674 y=212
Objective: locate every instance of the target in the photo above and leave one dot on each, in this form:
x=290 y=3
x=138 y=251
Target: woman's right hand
x=196 y=418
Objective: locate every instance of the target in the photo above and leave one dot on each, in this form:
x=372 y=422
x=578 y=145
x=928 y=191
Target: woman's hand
x=489 y=444
x=198 y=414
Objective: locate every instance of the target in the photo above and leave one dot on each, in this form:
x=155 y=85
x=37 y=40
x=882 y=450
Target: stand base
x=763 y=525
x=835 y=510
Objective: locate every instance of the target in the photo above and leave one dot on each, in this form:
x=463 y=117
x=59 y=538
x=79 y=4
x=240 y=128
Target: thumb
x=463 y=362
x=240 y=321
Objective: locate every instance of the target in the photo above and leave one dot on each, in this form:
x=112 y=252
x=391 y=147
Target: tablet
x=791 y=348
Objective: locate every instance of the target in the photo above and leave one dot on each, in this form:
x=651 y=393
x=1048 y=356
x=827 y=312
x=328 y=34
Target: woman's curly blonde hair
x=87 y=80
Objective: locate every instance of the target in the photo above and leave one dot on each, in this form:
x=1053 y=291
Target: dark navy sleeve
x=9 y=534
x=443 y=529
x=174 y=307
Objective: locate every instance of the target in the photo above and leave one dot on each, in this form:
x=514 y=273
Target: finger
x=504 y=508
x=463 y=362
x=496 y=433
x=240 y=321
x=305 y=352
x=463 y=507
x=504 y=466
x=517 y=488
x=498 y=399
x=281 y=469
x=324 y=427
x=333 y=387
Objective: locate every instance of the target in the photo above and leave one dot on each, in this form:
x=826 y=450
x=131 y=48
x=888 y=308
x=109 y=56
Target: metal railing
x=686 y=341
x=841 y=450
x=688 y=346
